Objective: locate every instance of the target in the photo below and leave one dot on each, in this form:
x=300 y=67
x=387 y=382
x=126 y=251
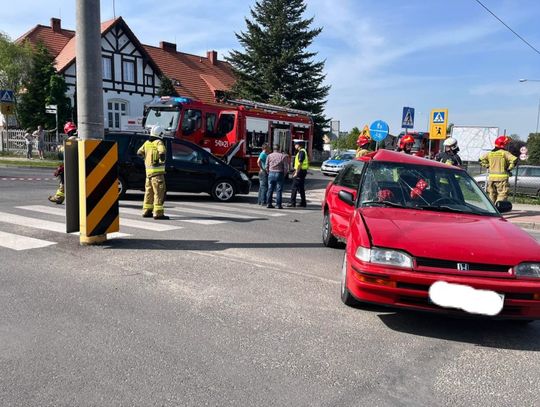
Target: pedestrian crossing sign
x=407 y=119
x=438 y=117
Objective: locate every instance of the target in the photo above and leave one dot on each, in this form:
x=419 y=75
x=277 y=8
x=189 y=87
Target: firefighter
x=70 y=129
x=301 y=165
x=450 y=154
x=362 y=142
x=154 y=151
x=500 y=162
x=406 y=144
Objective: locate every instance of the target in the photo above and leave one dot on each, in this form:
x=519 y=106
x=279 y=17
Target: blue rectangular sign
x=6 y=96
x=407 y=120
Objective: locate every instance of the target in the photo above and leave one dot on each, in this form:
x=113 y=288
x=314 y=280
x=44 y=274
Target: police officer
x=500 y=162
x=363 y=143
x=450 y=154
x=154 y=152
x=301 y=165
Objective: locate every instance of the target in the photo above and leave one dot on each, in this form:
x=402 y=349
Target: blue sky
x=380 y=55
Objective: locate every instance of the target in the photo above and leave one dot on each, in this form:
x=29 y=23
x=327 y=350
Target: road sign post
x=438 y=124
x=53 y=109
x=379 y=131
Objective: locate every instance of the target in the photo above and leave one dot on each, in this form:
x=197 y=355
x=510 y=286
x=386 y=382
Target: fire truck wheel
x=223 y=190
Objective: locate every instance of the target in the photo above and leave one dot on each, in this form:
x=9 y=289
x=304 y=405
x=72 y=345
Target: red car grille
x=451 y=264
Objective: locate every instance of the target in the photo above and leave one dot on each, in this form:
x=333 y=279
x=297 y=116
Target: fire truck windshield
x=168 y=119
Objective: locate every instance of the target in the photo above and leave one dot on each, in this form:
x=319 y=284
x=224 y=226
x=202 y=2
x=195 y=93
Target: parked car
x=335 y=163
x=528 y=180
x=422 y=235
x=189 y=168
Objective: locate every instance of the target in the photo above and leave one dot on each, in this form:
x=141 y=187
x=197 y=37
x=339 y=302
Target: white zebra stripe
x=18 y=242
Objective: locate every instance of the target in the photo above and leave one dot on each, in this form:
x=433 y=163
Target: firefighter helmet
x=69 y=127
x=502 y=141
x=450 y=142
x=408 y=139
x=157 y=131
x=362 y=141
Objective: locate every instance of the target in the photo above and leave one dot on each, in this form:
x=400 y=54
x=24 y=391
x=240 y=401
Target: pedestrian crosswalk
x=22 y=221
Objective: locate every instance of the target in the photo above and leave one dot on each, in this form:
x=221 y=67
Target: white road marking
x=132 y=211
x=156 y=227
x=17 y=242
x=231 y=208
x=216 y=214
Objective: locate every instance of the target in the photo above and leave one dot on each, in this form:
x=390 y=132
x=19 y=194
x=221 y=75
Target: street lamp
x=538 y=114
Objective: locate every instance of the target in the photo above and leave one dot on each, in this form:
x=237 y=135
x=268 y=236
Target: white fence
x=12 y=141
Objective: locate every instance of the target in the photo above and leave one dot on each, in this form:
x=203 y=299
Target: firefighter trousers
x=154 y=194
x=497 y=190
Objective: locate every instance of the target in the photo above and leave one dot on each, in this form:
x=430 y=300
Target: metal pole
x=89 y=70
x=537 y=116
x=515 y=179
x=56 y=114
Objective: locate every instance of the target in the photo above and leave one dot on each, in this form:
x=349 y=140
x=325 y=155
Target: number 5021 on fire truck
x=232 y=129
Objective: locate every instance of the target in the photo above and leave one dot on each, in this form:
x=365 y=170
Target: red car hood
x=448 y=236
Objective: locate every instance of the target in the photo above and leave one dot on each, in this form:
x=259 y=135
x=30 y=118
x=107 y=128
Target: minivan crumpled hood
x=450 y=236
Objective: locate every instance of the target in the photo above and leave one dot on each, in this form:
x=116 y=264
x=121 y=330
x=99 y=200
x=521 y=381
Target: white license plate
x=472 y=300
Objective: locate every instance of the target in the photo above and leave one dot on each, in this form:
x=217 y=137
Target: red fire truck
x=233 y=129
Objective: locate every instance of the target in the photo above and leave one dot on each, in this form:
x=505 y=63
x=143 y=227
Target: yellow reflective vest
x=151 y=150
x=304 y=165
x=362 y=152
x=499 y=163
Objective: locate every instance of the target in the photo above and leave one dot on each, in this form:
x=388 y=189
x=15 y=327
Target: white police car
x=335 y=163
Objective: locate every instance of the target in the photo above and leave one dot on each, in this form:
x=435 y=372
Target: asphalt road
x=238 y=306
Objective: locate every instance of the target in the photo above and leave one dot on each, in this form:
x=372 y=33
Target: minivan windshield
x=423 y=187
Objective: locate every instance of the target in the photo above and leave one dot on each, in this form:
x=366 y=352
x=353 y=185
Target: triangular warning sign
x=439 y=117
x=6 y=97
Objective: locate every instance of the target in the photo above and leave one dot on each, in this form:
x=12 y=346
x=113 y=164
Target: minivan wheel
x=223 y=190
x=122 y=186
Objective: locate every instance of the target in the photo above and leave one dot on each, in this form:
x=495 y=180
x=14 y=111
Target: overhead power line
x=507 y=26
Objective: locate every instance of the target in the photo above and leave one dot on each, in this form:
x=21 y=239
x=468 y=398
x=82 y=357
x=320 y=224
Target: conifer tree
x=166 y=87
x=276 y=65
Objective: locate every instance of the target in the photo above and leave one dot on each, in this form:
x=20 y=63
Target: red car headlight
x=388 y=257
x=528 y=270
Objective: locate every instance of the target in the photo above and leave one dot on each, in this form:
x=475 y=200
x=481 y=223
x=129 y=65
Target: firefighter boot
x=56 y=199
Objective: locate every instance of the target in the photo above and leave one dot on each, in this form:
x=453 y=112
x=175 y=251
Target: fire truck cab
x=234 y=130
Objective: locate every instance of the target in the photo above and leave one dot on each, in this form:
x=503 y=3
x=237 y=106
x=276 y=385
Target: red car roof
x=398 y=157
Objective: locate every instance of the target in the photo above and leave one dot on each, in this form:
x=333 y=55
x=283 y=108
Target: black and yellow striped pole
x=98 y=190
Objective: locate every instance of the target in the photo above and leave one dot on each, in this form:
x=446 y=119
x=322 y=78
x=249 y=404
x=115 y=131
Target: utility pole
x=89 y=72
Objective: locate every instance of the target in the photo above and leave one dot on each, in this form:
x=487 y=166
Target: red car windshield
x=423 y=188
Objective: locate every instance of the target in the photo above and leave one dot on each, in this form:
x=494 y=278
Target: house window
x=116 y=109
x=106 y=63
x=149 y=80
x=128 y=68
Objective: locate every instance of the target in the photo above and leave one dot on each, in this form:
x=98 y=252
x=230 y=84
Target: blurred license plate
x=474 y=301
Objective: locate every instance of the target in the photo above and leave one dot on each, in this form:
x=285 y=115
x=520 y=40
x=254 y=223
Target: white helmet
x=450 y=142
x=157 y=131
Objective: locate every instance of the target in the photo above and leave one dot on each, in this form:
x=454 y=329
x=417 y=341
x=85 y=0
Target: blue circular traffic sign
x=378 y=130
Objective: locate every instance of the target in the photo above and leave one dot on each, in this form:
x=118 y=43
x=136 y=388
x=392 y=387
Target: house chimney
x=56 y=25
x=167 y=46
x=212 y=57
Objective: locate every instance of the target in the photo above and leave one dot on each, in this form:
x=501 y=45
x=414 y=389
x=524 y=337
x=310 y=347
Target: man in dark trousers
x=301 y=165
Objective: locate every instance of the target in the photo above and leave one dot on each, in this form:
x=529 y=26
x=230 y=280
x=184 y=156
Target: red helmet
x=408 y=139
x=69 y=126
x=502 y=141
x=362 y=141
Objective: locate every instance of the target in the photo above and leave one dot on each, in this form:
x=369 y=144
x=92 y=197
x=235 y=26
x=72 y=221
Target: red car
x=422 y=235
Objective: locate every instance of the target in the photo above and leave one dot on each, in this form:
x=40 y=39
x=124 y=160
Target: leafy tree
x=166 y=87
x=57 y=96
x=348 y=142
x=533 y=146
x=32 y=101
x=276 y=66
x=15 y=63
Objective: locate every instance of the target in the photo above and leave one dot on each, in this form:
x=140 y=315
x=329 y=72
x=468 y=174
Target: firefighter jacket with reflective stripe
x=304 y=165
x=499 y=163
x=362 y=152
x=151 y=151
